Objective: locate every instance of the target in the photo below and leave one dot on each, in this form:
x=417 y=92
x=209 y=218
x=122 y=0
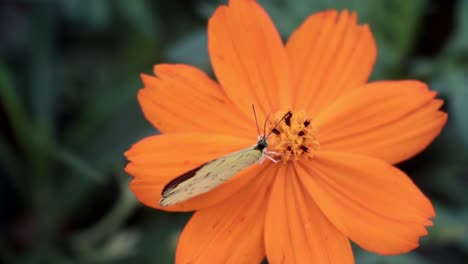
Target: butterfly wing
x=208 y=176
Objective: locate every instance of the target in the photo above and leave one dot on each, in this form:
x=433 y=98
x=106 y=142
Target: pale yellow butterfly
x=213 y=173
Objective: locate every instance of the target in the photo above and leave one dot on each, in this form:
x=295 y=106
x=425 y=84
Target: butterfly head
x=262 y=143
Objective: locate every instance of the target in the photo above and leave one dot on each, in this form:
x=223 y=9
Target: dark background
x=69 y=74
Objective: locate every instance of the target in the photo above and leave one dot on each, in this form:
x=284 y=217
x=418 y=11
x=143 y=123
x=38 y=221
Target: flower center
x=294 y=137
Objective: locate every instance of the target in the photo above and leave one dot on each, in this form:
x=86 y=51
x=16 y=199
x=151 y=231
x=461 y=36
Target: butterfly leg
x=274 y=153
x=268 y=157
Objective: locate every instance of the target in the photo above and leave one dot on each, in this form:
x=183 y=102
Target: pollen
x=294 y=138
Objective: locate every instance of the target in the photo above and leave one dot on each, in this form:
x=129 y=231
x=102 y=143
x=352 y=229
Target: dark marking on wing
x=220 y=163
x=240 y=157
x=275 y=131
x=304 y=148
x=178 y=180
x=301 y=133
x=306 y=123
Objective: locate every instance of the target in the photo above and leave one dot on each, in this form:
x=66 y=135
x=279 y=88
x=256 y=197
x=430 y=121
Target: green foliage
x=69 y=74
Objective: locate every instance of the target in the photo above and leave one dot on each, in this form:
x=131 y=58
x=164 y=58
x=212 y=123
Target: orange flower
x=335 y=183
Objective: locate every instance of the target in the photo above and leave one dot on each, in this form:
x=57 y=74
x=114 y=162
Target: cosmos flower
x=335 y=181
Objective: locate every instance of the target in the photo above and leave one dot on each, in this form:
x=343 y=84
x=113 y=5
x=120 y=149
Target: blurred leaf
x=12 y=167
x=115 y=136
x=7 y=157
x=11 y=105
x=395 y=25
x=86 y=241
x=452 y=56
x=191 y=49
x=41 y=68
x=14 y=110
x=49 y=256
x=159 y=235
x=119 y=247
x=75 y=163
x=408 y=258
x=464 y=230
x=42 y=101
x=139 y=15
x=450 y=226
x=451 y=82
x=445 y=179
x=103 y=151
x=206 y=8
x=112 y=93
x=457 y=81
x=457 y=47
x=94 y=14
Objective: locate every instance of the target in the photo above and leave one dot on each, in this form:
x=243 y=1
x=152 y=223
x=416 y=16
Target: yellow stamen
x=294 y=137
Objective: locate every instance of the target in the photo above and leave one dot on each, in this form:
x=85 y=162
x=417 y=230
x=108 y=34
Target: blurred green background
x=69 y=74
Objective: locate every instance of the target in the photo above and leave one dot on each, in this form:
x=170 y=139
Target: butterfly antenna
x=264 y=125
x=287 y=115
x=256 y=121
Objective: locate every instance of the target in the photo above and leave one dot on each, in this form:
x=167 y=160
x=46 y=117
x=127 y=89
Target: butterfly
x=213 y=173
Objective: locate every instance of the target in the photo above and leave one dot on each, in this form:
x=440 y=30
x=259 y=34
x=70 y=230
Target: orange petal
x=184 y=99
x=156 y=160
x=230 y=232
x=330 y=54
x=390 y=120
x=296 y=231
x=371 y=202
x=248 y=57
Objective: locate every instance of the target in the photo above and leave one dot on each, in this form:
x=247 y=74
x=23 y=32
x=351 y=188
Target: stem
x=125 y=205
